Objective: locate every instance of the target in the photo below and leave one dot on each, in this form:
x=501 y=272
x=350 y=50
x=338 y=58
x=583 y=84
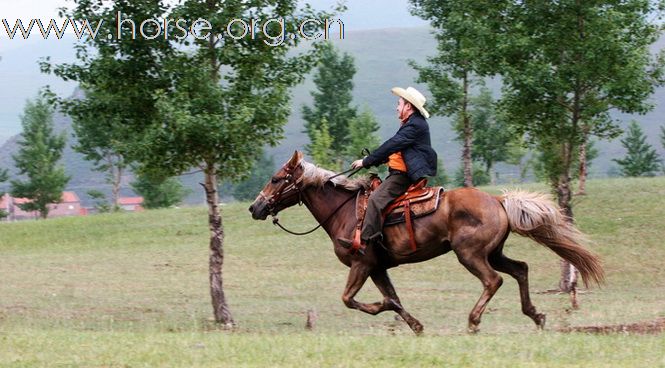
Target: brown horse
x=471 y=223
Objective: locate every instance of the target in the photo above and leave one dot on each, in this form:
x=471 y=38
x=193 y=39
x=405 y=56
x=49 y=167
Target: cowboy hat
x=413 y=96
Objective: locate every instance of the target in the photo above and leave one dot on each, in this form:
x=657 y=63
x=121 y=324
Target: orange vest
x=396 y=162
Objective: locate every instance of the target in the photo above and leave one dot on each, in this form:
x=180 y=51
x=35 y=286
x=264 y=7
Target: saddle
x=419 y=200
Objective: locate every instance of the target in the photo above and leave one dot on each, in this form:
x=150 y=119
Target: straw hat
x=414 y=97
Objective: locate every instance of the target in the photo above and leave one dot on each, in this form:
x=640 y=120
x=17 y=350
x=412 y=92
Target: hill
x=382 y=60
x=131 y=289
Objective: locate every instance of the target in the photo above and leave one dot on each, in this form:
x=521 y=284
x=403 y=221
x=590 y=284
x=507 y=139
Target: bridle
x=292 y=188
x=289 y=189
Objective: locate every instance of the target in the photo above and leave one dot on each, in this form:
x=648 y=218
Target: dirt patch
x=641 y=328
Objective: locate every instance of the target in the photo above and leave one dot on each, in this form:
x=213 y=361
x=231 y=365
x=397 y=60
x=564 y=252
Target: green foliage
x=565 y=65
x=159 y=192
x=101 y=204
x=332 y=100
x=518 y=154
x=117 y=77
x=480 y=176
x=249 y=188
x=546 y=162
x=441 y=178
x=461 y=52
x=491 y=134
x=641 y=158
x=321 y=148
x=363 y=133
x=228 y=98
x=40 y=149
x=458 y=65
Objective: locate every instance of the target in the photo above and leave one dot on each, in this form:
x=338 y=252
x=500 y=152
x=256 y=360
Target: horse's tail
x=535 y=216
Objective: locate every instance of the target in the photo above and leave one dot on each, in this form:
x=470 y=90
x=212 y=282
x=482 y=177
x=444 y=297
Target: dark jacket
x=413 y=140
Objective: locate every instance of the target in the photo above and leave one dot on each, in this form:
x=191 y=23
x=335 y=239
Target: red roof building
x=70 y=205
x=131 y=203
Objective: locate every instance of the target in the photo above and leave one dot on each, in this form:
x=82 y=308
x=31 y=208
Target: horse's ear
x=295 y=159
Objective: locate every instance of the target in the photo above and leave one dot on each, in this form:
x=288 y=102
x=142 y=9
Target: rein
x=275 y=220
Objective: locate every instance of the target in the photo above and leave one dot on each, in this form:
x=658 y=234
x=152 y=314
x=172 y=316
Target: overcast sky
x=362 y=14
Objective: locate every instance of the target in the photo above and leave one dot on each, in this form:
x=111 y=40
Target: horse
x=471 y=223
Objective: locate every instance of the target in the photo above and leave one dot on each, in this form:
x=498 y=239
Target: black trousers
x=392 y=187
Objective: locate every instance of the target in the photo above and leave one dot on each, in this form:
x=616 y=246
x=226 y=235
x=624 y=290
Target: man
x=409 y=155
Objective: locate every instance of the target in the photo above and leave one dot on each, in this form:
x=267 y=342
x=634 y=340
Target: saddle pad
x=420 y=208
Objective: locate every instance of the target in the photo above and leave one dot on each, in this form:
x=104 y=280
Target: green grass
x=132 y=290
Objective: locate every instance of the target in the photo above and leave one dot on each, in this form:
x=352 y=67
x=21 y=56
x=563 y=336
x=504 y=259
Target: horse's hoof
x=418 y=329
x=540 y=321
x=473 y=329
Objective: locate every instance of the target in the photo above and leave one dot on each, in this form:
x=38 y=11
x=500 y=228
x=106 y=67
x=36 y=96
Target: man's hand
x=357 y=164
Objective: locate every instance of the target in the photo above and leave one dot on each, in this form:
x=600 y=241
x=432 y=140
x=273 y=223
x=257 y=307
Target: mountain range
x=381 y=58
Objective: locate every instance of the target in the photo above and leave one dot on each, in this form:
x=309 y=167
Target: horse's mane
x=318 y=177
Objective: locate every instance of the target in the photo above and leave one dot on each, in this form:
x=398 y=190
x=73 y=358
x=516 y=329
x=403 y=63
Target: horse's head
x=282 y=191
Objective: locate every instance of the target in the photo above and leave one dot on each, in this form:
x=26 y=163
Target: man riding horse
x=410 y=157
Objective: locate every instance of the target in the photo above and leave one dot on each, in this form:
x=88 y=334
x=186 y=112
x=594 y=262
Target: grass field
x=131 y=290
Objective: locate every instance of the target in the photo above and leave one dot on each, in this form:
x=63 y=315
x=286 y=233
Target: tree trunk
x=116 y=172
x=568 y=281
x=583 y=164
x=468 y=135
x=220 y=308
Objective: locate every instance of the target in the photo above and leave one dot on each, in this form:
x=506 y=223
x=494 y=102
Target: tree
x=101 y=204
x=249 y=188
x=459 y=62
x=480 y=176
x=546 y=159
x=95 y=121
x=40 y=149
x=520 y=155
x=159 y=192
x=587 y=153
x=565 y=65
x=117 y=77
x=441 y=178
x=321 y=148
x=491 y=135
x=363 y=133
x=227 y=99
x=332 y=100
x=641 y=158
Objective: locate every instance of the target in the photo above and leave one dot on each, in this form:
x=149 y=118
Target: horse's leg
x=519 y=271
x=358 y=274
x=391 y=300
x=476 y=262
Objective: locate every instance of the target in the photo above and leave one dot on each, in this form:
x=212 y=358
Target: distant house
x=131 y=203
x=70 y=205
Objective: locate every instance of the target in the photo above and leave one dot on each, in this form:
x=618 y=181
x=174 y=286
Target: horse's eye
x=274 y=180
